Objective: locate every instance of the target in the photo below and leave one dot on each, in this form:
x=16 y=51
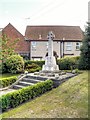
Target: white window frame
x=78 y=45
x=33 y=45
x=68 y=46
x=46 y=45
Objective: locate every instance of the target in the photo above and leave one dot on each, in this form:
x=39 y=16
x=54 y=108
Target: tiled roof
x=13 y=33
x=66 y=32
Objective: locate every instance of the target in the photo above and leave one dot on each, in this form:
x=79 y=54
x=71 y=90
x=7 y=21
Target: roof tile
x=66 y=32
x=13 y=33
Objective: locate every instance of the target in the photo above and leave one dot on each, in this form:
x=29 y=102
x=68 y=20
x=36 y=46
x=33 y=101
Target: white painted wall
x=73 y=51
x=41 y=49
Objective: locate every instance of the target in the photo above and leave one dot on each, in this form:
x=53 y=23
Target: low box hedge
x=7 y=81
x=14 y=99
x=65 y=63
x=68 y=63
x=39 y=63
x=32 y=68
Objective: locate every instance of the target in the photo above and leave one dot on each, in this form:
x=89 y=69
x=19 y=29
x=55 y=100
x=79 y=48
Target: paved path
x=6 y=91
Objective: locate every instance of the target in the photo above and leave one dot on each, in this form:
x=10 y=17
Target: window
x=36 y=58
x=68 y=46
x=40 y=37
x=46 y=45
x=25 y=55
x=33 y=45
x=78 y=44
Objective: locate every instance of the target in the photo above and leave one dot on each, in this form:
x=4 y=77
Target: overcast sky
x=21 y=13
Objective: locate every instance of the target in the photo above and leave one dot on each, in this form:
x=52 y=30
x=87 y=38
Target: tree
x=6 y=47
x=15 y=64
x=84 y=61
x=6 y=50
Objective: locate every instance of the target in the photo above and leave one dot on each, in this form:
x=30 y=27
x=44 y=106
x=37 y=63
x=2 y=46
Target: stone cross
x=50 y=61
x=50 y=38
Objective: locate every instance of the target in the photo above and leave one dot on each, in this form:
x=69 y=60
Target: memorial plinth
x=50 y=61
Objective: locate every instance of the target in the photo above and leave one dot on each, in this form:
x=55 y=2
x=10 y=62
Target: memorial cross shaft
x=50 y=61
x=50 y=38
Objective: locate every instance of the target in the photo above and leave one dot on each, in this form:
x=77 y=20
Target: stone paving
x=6 y=91
x=57 y=81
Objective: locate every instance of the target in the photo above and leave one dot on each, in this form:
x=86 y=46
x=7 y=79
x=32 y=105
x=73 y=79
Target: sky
x=21 y=13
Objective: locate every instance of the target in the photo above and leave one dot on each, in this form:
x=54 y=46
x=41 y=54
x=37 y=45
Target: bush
x=68 y=63
x=39 y=63
x=15 y=64
x=83 y=64
x=7 y=81
x=14 y=99
x=84 y=61
x=3 y=67
x=32 y=68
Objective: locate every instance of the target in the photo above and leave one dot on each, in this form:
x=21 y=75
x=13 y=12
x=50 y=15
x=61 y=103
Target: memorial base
x=50 y=64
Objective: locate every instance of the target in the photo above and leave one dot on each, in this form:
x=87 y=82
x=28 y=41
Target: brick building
x=22 y=47
x=67 y=40
x=34 y=44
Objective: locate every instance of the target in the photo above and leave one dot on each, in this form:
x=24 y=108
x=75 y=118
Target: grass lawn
x=69 y=100
x=3 y=76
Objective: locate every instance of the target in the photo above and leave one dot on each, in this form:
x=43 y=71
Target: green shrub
x=84 y=61
x=7 y=81
x=15 y=64
x=68 y=63
x=76 y=71
x=64 y=64
x=14 y=99
x=32 y=68
x=5 y=102
x=39 y=63
x=3 y=67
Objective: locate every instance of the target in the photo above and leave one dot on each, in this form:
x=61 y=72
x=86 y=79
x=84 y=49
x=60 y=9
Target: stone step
x=31 y=80
x=17 y=86
x=28 y=81
x=24 y=83
x=35 y=77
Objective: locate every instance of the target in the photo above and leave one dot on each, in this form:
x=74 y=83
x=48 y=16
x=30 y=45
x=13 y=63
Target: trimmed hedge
x=7 y=81
x=68 y=63
x=18 y=97
x=32 y=68
x=39 y=63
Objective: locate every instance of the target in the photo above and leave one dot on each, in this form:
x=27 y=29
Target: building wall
x=12 y=33
x=22 y=46
x=73 y=50
x=56 y=47
x=39 y=49
x=89 y=11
